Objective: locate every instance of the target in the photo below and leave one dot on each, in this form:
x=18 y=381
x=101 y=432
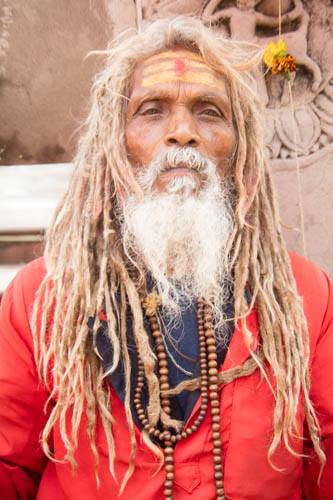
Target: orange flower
x=278 y=60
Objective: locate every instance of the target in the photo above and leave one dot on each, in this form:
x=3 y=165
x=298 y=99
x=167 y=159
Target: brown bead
x=167 y=493
x=189 y=431
x=216 y=426
x=212 y=371
x=215 y=411
x=216 y=419
x=168 y=450
x=212 y=365
x=220 y=493
x=163 y=371
x=211 y=348
x=162 y=363
x=215 y=403
x=217 y=459
x=218 y=475
x=210 y=341
x=168 y=459
x=170 y=476
x=212 y=355
x=169 y=467
x=216 y=435
x=213 y=387
x=168 y=483
x=162 y=355
x=213 y=379
x=164 y=386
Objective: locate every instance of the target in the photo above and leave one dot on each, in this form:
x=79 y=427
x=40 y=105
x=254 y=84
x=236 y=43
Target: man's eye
x=150 y=111
x=212 y=112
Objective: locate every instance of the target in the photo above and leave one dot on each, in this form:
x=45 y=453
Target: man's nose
x=181 y=130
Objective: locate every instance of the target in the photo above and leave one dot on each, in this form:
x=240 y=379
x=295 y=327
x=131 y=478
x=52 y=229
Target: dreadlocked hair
x=87 y=271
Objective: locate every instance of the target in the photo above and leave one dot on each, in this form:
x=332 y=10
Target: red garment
x=246 y=428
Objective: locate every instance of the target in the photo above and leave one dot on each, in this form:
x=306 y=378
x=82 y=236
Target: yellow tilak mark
x=166 y=66
x=189 y=77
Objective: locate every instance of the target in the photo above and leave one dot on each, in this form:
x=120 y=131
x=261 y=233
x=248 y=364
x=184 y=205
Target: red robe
x=246 y=423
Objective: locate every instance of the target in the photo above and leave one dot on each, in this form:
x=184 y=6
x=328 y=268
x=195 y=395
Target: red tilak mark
x=180 y=66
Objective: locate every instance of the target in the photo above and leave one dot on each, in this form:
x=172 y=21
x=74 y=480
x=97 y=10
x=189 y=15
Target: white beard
x=180 y=236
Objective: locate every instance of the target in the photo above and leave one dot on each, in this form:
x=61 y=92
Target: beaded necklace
x=208 y=386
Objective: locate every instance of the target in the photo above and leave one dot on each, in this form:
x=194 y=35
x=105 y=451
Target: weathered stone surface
x=45 y=77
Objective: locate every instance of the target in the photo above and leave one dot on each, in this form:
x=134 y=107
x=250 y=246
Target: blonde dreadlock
x=87 y=272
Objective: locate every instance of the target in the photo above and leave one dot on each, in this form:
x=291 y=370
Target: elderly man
x=167 y=346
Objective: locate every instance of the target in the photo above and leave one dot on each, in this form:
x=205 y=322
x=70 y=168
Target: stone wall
x=45 y=81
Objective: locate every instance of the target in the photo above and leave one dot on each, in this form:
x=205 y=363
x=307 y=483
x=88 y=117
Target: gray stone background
x=45 y=77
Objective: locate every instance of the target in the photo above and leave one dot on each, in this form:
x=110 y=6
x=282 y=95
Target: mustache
x=177 y=157
x=183 y=157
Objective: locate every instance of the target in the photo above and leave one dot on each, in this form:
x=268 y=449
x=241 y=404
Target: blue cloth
x=183 y=345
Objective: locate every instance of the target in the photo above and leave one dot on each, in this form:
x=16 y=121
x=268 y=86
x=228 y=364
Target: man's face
x=178 y=101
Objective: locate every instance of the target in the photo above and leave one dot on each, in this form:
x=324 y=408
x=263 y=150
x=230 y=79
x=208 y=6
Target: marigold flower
x=277 y=58
x=285 y=64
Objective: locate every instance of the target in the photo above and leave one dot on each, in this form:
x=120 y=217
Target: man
x=167 y=346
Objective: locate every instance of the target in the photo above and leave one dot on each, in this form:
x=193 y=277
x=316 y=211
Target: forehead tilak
x=167 y=67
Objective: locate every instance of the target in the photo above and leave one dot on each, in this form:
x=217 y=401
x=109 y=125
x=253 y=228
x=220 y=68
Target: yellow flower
x=151 y=303
x=274 y=50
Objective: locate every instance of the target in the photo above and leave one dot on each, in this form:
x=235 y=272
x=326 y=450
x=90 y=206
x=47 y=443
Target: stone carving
x=243 y=21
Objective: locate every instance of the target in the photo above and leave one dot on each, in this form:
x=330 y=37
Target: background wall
x=45 y=79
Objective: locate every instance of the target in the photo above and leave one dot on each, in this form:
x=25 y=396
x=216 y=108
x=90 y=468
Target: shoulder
x=310 y=279
x=21 y=292
x=316 y=292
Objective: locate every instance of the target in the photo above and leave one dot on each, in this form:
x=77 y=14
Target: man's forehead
x=177 y=66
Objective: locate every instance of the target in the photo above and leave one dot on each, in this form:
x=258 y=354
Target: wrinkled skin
x=179 y=113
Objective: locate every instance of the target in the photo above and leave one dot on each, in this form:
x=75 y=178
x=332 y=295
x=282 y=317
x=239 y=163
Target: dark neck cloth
x=182 y=345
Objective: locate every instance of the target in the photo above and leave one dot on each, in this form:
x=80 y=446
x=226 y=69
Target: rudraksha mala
x=208 y=387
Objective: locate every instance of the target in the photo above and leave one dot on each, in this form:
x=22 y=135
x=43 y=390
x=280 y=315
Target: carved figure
x=244 y=20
